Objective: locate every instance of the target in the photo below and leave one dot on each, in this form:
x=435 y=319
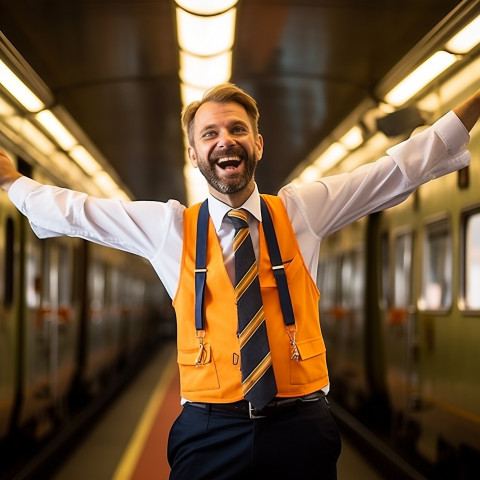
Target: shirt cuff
x=452 y=131
x=20 y=189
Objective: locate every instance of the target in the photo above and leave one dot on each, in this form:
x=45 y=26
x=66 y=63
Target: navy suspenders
x=275 y=258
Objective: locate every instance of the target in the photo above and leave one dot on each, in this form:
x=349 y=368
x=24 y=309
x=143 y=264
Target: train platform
x=129 y=441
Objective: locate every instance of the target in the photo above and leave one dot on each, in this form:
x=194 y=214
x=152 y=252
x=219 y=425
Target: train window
x=472 y=261
x=33 y=272
x=437 y=267
x=385 y=299
x=64 y=276
x=327 y=283
x=402 y=288
x=9 y=264
x=351 y=280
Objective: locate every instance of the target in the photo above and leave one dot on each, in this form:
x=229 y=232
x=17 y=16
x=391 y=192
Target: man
x=284 y=430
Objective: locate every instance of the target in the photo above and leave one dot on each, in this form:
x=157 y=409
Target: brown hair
x=224 y=93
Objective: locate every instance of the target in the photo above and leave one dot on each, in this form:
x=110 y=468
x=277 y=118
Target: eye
x=239 y=129
x=208 y=134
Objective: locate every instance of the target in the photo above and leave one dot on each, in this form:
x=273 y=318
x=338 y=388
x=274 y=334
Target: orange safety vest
x=218 y=378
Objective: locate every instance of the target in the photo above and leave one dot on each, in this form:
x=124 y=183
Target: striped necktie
x=258 y=380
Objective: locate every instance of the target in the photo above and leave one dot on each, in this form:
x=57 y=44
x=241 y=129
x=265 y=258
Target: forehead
x=213 y=113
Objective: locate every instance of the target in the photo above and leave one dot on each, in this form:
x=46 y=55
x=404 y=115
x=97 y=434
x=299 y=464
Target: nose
x=226 y=139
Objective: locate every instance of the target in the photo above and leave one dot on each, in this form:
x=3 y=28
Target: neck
x=236 y=199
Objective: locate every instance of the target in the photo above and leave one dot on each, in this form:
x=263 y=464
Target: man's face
x=225 y=148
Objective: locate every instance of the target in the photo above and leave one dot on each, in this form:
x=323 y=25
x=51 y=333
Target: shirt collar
x=218 y=209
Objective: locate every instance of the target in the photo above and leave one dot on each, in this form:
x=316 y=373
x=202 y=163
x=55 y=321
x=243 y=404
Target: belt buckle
x=251 y=412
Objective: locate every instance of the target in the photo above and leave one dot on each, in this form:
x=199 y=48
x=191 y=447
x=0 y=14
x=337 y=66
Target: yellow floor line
x=125 y=468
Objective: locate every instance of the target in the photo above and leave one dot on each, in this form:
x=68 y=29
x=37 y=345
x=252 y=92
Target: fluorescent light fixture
x=206 y=7
x=105 y=182
x=196 y=185
x=206 y=36
x=19 y=90
x=332 y=155
x=205 y=72
x=5 y=108
x=50 y=122
x=37 y=138
x=420 y=77
x=85 y=160
x=191 y=94
x=466 y=39
x=353 y=138
x=310 y=174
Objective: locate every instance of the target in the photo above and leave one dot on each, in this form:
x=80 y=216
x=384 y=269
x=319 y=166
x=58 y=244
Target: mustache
x=230 y=151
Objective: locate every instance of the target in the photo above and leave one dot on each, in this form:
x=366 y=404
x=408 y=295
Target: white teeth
x=228 y=159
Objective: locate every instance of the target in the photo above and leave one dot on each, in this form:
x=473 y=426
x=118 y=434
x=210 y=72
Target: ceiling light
x=466 y=39
x=206 y=7
x=50 y=122
x=205 y=72
x=85 y=160
x=420 y=77
x=353 y=138
x=19 y=90
x=105 y=182
x=332 y=155
x=191 y=94
x=206 y=36
x=196 y=185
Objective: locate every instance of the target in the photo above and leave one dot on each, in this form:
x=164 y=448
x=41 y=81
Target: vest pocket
x=197 y=378
x=312 y=365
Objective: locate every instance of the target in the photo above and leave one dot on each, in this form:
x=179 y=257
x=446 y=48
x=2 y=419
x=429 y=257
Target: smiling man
x=240 y=269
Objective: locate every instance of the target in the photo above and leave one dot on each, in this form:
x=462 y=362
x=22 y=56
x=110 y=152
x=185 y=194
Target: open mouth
x=229 y=163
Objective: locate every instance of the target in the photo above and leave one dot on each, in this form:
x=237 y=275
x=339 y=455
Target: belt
x=244 y=408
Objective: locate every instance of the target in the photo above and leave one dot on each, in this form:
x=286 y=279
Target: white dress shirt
x=154 y=230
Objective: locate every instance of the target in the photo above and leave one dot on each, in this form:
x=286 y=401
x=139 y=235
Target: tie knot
x=239 y=218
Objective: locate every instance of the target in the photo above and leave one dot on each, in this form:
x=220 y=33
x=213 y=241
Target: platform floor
x=129 y=441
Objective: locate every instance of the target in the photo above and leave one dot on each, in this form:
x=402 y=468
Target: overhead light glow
x=19 y=90
x=420 y=77
x=205 y=72
x=85 y=160
x=191 y=94
x=206 y=7
x=50 y=122
x=105 y=182
x=332 y=155
x=466 y=39
x=206 y=36
x=353 y=138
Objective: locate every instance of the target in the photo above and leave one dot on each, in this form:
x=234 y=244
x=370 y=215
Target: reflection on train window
x=351 y=280
x=9 y=264
x=402 y=289
x=385 y=298
x=437 y=267
x=472 y=261
x=33 y=272
x=328 y=282
x=64 y=276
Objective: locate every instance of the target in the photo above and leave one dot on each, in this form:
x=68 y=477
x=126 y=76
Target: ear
x=192 y=156
x=259 y=147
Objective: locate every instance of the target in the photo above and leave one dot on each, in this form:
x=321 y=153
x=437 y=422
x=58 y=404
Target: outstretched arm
x=8 y=173
x=469 y=111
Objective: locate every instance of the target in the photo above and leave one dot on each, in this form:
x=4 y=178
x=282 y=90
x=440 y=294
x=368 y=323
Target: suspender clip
x=292 y=333
x=200 y=360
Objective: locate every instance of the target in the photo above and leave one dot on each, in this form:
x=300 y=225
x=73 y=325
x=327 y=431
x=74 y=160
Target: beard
x=235 y=183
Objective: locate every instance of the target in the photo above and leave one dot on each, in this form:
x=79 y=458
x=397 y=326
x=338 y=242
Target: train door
x=400 y=332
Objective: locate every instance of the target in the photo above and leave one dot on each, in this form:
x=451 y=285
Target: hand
x=8 y=174
x=469 y=111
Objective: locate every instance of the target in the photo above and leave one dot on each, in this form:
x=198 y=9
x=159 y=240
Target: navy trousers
x=300 y=443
